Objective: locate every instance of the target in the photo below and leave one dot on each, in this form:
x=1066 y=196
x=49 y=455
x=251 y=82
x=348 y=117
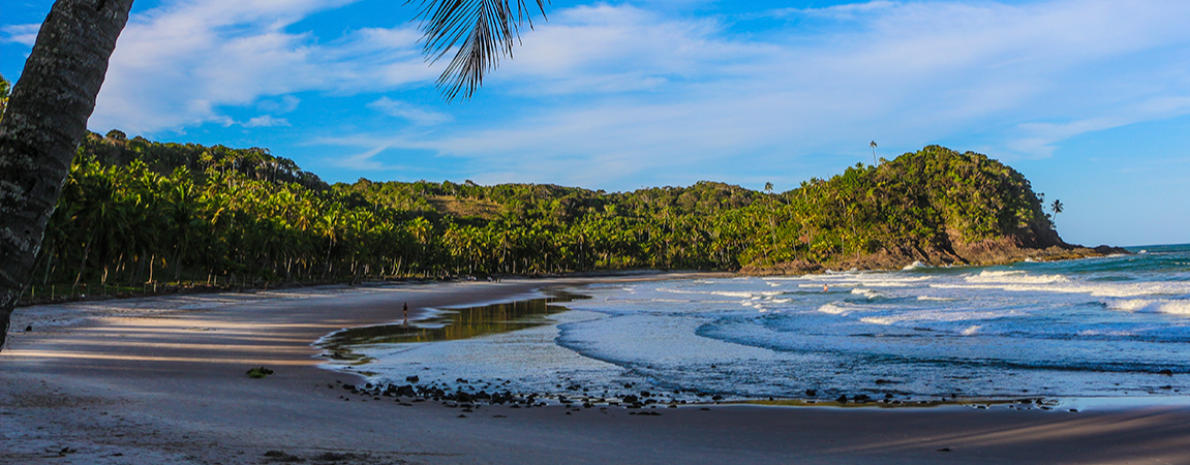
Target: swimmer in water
x=825 y=289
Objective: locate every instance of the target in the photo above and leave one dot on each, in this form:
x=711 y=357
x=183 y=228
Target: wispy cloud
x=616 y=95
x=845 y=11
x=409 y=112
x=176 y=65
x=284 y=104
x=266 y=121
x=639 y=91
x=24 y=34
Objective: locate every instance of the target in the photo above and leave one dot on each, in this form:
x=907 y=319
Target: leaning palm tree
x=1056 y=207
x=46 y=115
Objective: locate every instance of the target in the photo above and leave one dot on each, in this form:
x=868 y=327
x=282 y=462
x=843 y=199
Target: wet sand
x=162 y=380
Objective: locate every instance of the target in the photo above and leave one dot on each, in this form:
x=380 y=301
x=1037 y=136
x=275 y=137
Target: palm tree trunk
x=48 y=266
x=83 y=264
x=45 y=119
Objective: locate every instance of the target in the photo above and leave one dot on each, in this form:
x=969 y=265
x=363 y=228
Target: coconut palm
x=46 y=116
x=873 y=145
x=1056 y=207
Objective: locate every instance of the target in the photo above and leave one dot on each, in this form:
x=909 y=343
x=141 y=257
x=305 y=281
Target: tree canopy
x=134 y=210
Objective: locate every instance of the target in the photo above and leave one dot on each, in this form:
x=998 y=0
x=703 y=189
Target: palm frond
x=483 y=30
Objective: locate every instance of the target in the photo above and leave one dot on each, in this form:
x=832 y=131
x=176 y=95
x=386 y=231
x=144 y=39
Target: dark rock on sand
x=281 y=456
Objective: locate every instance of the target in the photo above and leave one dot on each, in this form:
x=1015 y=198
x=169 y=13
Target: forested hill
x=135 y=210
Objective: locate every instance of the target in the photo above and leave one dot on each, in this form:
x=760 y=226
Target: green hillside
x=135 y=210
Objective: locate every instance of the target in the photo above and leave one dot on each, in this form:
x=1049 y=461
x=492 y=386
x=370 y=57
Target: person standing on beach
x=405 y=311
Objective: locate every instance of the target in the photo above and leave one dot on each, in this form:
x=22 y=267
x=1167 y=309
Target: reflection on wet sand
x=454 y=324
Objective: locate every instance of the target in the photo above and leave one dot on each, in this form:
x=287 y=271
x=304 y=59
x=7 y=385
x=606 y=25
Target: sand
x=162 y=381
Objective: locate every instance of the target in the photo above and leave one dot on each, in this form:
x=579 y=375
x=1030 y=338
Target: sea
x=1115 y=327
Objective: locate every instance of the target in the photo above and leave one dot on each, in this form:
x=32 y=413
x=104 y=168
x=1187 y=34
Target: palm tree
x=46 y=116
x=1056 y=207
x=873 y=145
x=768 y=189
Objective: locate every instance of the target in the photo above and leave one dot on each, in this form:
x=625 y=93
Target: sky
x=1089 y=99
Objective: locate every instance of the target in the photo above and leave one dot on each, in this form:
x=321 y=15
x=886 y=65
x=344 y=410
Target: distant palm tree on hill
x=1056 y=207
x=873 y=145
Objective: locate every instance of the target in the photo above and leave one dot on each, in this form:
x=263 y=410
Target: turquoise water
x=1115 y=326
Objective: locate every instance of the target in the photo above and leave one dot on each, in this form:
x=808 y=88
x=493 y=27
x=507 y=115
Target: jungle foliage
x=136 y=211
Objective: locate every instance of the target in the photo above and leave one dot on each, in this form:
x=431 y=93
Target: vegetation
x=258 y=373
x=47 y=114
x=3 y=95
x=135 y=211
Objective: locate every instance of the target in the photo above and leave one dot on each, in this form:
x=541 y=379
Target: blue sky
x=1089 y=99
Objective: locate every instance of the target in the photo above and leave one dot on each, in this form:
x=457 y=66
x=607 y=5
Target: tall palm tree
x=46 y=115
x=873 y=145
x=1056 y=207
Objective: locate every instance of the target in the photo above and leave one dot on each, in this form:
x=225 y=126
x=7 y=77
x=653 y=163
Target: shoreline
x=557 y=295
x=876 y=262
x=161 y=380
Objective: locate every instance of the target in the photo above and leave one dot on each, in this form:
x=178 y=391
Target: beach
x=162 y=380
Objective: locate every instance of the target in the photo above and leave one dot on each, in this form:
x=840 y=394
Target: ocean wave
x=929 y=318
x=1015 y=277
x=1097 y=288
x=1168 y=307
x=1130 y=305
x=1100 y=332
x=746 y=295
x=913 y=266
x=869 y=293
x=1177 y=307
x=834 y=309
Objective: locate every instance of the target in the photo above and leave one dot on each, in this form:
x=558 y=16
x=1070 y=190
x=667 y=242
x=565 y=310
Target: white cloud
x=613 y=94
x=176 y=65
x=266 y=121
x=608 y=95
x=284 y=104
x=845 y=11
x=24 y=34
x=409 y=112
